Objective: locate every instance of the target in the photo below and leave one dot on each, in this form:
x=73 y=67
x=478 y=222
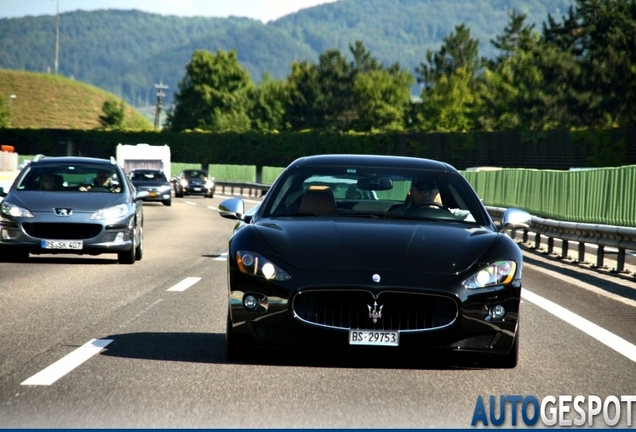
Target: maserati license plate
x=373 y=337
x=62 y=244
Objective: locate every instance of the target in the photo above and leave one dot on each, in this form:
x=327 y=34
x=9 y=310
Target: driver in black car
x=423 y=191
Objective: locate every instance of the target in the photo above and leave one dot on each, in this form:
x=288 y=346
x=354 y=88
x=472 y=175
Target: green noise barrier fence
x=599 y=196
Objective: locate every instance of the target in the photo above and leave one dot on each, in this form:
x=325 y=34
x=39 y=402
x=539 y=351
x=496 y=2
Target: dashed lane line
x=67 y=363
x=185 y=284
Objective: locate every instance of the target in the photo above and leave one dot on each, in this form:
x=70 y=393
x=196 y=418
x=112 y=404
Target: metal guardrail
x=621 y=238
x=252 y=189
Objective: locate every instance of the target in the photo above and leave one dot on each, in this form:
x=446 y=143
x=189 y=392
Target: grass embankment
x=45 y=101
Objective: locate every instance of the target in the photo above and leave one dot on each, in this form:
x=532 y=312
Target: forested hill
x=128 y=52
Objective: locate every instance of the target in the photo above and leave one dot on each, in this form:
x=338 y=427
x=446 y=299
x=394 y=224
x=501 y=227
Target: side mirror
x=514 y=218
x=139 y=195
x=2 y=194
x=232 y=208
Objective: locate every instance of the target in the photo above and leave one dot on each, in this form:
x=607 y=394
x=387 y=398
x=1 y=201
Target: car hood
x=427 y=247
x=38 y=201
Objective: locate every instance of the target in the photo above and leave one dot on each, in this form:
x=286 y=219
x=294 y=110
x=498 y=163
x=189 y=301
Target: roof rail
x=113 y=160
x=38 y=157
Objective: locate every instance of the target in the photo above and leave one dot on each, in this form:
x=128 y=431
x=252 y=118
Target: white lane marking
x=185 y=284
x=616 y=343
x=213 y=208
x=191 y=203
x=222 y=257
x=589 y=287
x=67 y=363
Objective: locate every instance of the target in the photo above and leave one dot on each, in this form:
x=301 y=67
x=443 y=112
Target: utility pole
x=57 y=36
x=160 y=94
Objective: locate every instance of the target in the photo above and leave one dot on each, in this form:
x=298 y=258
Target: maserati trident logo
x=375 y=313
x=63 y=211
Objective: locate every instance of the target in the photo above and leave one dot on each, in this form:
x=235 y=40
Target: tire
x=139 y=250
x=167 y=203
x=128 y=257
x=234 y=351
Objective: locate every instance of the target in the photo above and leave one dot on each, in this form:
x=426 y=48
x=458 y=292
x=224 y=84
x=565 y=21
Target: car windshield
x=372 y=192
x=195 y=174
x=70 y=178
x=148 y=176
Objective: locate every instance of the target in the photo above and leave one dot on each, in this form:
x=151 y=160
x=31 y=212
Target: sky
x=263 y=10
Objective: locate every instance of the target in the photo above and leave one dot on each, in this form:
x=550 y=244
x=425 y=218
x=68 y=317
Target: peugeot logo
x=375 y=313
x=63 y=212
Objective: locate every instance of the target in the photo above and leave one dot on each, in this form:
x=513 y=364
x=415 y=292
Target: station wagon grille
x=351 y=309
x=62 y=231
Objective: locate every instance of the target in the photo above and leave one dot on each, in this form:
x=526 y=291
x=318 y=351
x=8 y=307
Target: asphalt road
x=157 y=356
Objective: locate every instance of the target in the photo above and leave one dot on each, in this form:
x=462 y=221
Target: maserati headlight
x=14 y=210
x=255 y=264
x=496 y=273
x=209 y=184
x=115 y=212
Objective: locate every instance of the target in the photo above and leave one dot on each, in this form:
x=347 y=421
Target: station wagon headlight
x=255 y=264
x=115 y=212
x=496 y=273
x=14 y=210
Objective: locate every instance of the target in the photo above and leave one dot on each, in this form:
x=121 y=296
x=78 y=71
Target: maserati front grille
x=388 y=310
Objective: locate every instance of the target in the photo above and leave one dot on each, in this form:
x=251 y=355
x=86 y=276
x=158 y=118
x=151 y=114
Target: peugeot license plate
x=62 y=244
x=374 y=337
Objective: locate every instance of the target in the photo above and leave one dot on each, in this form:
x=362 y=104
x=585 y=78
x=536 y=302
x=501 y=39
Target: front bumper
x=469 y=328
x=96 y=238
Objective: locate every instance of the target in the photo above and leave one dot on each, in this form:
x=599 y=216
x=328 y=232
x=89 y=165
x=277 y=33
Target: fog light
x=497 y=312
x=6 y=235
x=251 y=302
x=119 y=238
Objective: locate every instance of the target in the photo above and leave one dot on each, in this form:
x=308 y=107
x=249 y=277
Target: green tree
x=525 y=87
x=320 y=95
x=267 y=105
x=601 y=35
x=113 y=114
x=383 y=99
x=213 y=95
x=458 y=50
x=450 y=106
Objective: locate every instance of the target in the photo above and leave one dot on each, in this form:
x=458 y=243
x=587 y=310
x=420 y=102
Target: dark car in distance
x=71 y=205
x=154 y=182
x=339 y=254
x=193 y=182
